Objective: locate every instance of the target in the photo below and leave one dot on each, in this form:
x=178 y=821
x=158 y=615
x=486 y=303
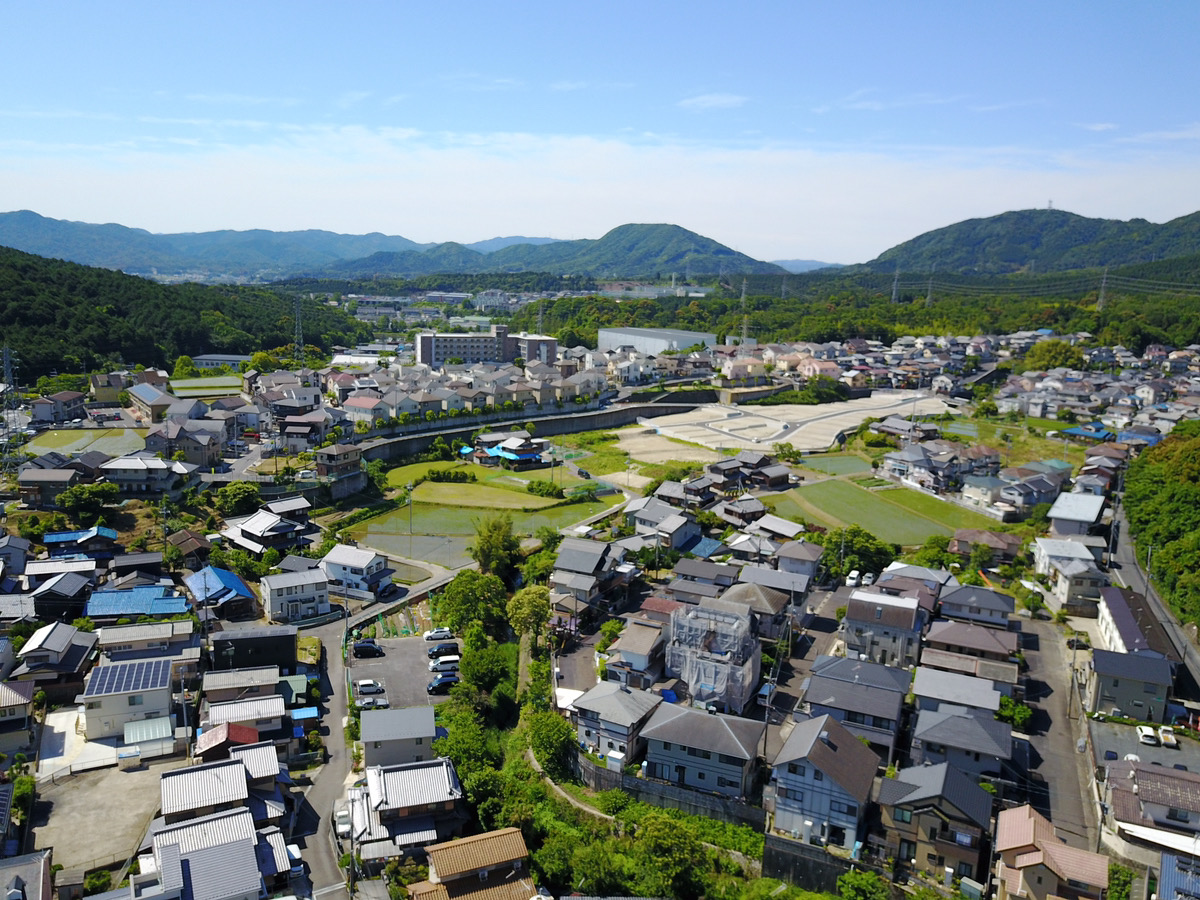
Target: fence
x=669 y=796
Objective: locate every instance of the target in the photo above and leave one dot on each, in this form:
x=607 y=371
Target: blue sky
x=783 y=129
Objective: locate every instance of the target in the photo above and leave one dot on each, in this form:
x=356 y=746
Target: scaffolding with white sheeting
x=717 y=654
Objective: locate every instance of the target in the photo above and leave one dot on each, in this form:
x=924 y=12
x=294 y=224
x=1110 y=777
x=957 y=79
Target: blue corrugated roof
x=305 y=712
x=212 y=582
x=66 y=537
x=151 y=600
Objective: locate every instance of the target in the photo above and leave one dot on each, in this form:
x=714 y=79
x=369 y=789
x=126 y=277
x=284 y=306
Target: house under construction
x=716 y=653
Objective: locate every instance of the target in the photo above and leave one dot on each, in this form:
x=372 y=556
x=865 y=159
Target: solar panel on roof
x=130 y=677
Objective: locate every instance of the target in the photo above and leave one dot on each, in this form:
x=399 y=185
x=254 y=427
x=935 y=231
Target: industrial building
x=494 y=346
x=653 y=341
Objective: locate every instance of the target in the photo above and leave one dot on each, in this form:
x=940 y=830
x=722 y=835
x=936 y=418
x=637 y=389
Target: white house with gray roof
x=971 y=603
x=934 y=688
x=969 y=739
x=1129 y=684
x=609 y=719
x=406 y=806
x=394 y=736
x=213 y=857
x=822 y=778
x=293 y=596
x=709 y=752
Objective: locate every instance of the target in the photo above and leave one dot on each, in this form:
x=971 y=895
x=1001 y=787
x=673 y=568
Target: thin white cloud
x=394 y=99
x=868 y=99
x=1007 y=105
x=352 y=98
x=569 y=85
x=475 y=81
x=713 y=101
x=1186 y=133
x=242 y=100
x=1097 y=126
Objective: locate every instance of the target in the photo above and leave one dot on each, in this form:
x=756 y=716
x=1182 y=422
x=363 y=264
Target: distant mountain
x=628 y=251
x=499 y=243
x=259 y=255
x=1039 y=240
x=253 y=255
x=796 y=266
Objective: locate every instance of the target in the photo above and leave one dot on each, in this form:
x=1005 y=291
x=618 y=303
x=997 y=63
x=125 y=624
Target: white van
x=852 y=579
x=444 y=664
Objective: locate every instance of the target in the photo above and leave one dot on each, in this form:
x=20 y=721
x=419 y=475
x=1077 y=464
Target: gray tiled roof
x=1146 y=666
x=717 y=733
x=951 y=687
x=615 y=703
x=965 y=729
x=840 y=755
x=869 y=699
x=979 y=598
x=842 y=668
x=921 y=786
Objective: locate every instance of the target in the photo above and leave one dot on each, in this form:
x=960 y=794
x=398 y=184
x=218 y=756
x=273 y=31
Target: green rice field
x=218 y=386
x=484 y=476
x=898 y=516
x=113 y=441
x=843 y=464
x=479 y=496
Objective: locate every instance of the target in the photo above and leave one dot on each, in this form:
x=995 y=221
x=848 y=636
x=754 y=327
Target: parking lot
x=1121 y=740
x=403 y=670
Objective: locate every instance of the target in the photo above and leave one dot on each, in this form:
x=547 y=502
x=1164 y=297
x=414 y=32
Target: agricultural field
x=113 y=441
x=898 y=516
x=484 y=476
x=216 y=386
x=837 y=464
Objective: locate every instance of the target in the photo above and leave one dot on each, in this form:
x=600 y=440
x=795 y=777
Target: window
x=796 y=769
x=818 y=775
x=136 y=700
x=965 y=870
x=879 y=612
x=696 y=751
x=1177 y=815
x=93 y=704
x=420 y=741
x=666 y=744
x=1149 y=688
x=902 y=815
x=701 y=774
x=848 y=809
x=1116 y=682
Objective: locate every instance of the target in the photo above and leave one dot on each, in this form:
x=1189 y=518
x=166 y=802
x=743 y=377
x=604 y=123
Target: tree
x=238 y=498
x=496 y=547
x=852 y=548
x=1014 y=713
x=185 y=367
x=1053 y=355
x=553 y=743
x=935 y=553
x=669 y=851
x=539 y=566
x=860 y=885
x=85 y=502
x=982 y=557
x=529 y=610
x=473 y=597
x=485 y=668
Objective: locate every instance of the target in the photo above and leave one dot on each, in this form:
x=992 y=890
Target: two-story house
x=489 y=866
x=407 y=806
x=362 y=574
x=1129 y=684
x=590 y=573
x=822 y=777
x=868 y=698
x=969 y=739
x=983 y=606
x=934 y=819
x=293 y=596
x=1035 y=864
x=637 y=657
x=972 y=640
x=883 y=628
x=717 y=653
x=708 y=752
x=609 y=719
x=394 y=736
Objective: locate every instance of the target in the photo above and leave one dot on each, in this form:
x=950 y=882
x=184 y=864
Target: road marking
x=329 y=889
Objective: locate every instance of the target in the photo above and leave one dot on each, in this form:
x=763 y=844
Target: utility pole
x=1103 y=285
x=745 y=317
x=896 y=286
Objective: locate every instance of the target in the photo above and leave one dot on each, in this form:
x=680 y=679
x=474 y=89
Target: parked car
x=442 y=683
x=366 y=649
x=1166 y=734
x=445 y=664
x=583 y=473
x=439 y=634
x=445 y=649
x=293 y=852
x=868 y=579
x=1110 y=754
x=341 y=821
x=369 y=686
x=853 y=578
x=1147 y=735
x=372 y=703
x=1076 y=643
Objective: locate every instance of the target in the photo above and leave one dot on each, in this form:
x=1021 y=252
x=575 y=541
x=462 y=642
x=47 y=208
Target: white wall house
x=124 y=692
x=295 y=595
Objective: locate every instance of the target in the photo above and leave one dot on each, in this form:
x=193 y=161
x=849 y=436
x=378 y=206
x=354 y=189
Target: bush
x=97 y=882
x=544 y=489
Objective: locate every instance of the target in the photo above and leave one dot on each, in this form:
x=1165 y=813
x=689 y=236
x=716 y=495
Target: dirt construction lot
x=96 y=817
x=648 y=446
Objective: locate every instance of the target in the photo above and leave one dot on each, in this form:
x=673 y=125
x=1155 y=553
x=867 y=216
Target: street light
x=409 y=488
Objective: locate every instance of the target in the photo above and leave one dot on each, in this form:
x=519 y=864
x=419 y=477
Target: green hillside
x=60 y=316
x=1039 y=240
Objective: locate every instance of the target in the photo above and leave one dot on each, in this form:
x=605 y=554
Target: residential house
x=1075 y=513
x=395 y=736
x=822 y=777
x=1004 y=547
x=882 y=628
x=362 y=574
x=868 y=698
x=259 y=646
x=983 y=606
x=122 y=692
x=1035 y=864
x=934 y=819
x=970 y=739
x=489 y=866
x=716 y=652
x=1129 y=684
x=800 y=558
x=55 y=658
x=158 y=601
x=636 y=659
x=293 y=596
x=194 y=546
x=227 y=685
x=934 y=688
x=1128 y=625
x=175 y=641
x=41 y=488
x=221 y=590
x=16 y=704
x=216 y=857
x=1151 y=804
x=263 y=531
x=98 y=542
x=406 y=806
x=708 y=752
x=609 y=719
x=590 y=573
x=340 y=467
x=767 y=606
x=145 y=475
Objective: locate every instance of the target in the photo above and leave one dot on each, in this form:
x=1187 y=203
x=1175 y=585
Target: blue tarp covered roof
x=305 y=712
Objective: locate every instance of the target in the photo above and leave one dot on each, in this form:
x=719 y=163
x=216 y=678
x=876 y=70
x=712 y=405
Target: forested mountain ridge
x=1039 y=240
x=260 y=255
x=63 y=316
